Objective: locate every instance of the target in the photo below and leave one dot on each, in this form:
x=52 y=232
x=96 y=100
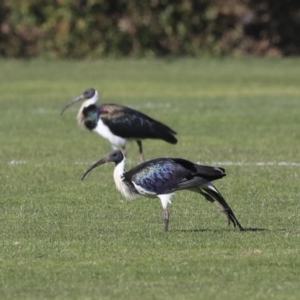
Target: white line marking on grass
x=18 y=162
x=216 y=163
x=84 y=162
x=45 y=111
x=259 y=163
x=41 y=110
x=150 y=105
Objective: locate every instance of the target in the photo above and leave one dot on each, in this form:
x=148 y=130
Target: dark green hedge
x=97 y=28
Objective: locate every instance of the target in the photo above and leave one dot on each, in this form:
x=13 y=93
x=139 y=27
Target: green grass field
x=66 y=239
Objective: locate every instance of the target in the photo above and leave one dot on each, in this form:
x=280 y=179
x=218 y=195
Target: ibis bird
x=119 y=124
x=163 y=177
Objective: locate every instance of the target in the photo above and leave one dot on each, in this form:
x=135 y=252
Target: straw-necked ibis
x=162 y=177
x=119 y=124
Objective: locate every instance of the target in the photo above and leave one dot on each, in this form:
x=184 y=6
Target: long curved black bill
x=73 y=101
x=98 y=163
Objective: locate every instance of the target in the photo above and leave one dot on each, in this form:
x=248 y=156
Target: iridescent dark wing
x=128 y=123
x=167 y=175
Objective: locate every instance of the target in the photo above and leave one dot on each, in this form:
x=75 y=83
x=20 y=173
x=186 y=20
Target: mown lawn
x=66 y=239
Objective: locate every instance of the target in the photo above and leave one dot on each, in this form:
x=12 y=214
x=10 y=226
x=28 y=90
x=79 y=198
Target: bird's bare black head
x=89 y=94
x=115 y=156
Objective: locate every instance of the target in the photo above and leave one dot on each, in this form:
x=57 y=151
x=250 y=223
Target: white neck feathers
x=119 y=180
x=85 y=104
x=92 y=100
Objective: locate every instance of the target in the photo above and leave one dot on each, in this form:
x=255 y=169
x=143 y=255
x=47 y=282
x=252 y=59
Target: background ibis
x=119 y=124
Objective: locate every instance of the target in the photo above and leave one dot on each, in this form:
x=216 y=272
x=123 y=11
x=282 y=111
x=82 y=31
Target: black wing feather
x=167 y=175
x=128 y=123
x=207 y=172
x=190 y=183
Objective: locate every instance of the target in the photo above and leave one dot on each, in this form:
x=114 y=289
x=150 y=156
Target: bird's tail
x=164 y=132
x=167 y=134
x=211 y=194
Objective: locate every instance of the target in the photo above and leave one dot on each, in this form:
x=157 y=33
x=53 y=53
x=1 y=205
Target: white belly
x=105 y=132
x=142 y=191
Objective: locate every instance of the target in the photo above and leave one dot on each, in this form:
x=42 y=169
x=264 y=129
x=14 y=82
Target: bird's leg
x=142 y=158
x=166 y=219
x=165 y=201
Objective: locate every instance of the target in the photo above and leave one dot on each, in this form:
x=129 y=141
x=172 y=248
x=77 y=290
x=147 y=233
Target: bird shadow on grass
x=256 y=229
x=221 y=230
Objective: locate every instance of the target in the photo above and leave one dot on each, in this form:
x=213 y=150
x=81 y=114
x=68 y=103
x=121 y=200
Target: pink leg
x=166 y=219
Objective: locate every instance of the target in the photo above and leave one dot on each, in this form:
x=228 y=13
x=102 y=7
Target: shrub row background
x=148 y=28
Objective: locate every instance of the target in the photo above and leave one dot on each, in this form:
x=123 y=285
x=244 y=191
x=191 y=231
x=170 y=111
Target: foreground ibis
x=163 y=177
x=119 y=124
